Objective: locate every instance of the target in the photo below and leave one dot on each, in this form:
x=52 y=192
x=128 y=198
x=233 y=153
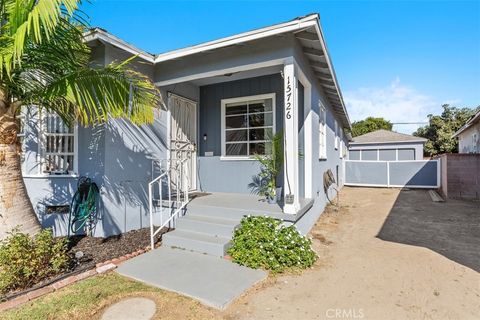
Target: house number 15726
x=288 y=107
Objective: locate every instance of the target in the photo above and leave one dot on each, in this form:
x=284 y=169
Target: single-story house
x=384 y=145
x=469 y=135
x=222 y=99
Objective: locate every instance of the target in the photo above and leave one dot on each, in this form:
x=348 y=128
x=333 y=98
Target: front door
x=183 y=137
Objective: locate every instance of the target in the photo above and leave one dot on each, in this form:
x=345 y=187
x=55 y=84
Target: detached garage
x=384 y=145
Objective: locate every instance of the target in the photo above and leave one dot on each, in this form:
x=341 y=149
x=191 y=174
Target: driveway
x=384 y=254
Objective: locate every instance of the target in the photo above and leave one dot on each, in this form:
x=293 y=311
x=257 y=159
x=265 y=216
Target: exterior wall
x=460 y=176
x=334 y=161
x=118 y=155
x=466 y=142
x=211 y=168
x=254 y=52
x=385 y=151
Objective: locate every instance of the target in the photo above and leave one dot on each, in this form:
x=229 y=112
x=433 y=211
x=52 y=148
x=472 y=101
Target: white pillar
x=290 y=118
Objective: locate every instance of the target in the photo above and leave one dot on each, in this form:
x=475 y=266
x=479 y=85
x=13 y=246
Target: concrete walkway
x=213 y=281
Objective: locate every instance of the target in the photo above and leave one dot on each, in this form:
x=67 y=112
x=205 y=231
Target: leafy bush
x=26 y=260
x=264 y=242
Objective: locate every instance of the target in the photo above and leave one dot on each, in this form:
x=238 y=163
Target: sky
x=400 y=60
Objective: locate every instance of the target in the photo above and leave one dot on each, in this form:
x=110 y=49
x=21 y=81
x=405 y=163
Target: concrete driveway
x=384 y=254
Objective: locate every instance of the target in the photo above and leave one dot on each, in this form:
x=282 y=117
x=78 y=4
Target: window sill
x=48 y=176
x=226 y=158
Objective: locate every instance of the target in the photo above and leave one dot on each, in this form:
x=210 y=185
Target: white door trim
x=193 y=180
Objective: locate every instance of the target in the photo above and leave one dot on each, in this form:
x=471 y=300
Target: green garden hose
x=83 y=210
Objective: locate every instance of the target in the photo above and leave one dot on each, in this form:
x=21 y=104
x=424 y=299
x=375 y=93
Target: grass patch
x=87 y=299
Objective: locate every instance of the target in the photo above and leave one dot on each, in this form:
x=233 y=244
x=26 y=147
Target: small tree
x=440 y=129
x=370 y=124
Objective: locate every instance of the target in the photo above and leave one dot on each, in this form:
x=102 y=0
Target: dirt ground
x=384 y=254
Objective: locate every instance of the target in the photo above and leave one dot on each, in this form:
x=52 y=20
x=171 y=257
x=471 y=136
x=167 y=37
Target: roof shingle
x=385 y=136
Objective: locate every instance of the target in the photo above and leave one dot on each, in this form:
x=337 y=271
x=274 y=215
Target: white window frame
x=341 y=144
x=322 y=132
x=42 y=138
x=336 y=135
x=224 y=103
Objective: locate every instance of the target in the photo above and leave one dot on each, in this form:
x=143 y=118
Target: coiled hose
x=328 y=181
x=83 y=209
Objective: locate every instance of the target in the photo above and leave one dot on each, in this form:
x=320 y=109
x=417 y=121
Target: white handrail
x=180 y=203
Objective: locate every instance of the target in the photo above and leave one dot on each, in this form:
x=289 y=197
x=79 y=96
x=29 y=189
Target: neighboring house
x=384 y=145
x=221 y=98
x=469 y=135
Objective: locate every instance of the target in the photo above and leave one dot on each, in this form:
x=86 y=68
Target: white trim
x=388 y=174
x=307 y=129
x=101 y=35
x=391 y=186
x=297 y=24
x=290 y=105
x=41 y=148
x=171 y=95
x=322 y=149
x=235 y=158
x=224 y=102
x=390 y=160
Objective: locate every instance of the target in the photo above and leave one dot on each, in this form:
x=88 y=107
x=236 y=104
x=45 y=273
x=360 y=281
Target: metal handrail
x=158 y=180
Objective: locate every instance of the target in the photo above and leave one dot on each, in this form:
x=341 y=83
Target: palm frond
x=35 y=21
x=95 y=95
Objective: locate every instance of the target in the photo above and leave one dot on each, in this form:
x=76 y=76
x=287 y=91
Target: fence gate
x=412 y=174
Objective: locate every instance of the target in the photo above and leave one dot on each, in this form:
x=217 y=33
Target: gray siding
x=210 y=106
x=215 y=174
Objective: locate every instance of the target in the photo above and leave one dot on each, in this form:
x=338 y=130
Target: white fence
x=412 y=173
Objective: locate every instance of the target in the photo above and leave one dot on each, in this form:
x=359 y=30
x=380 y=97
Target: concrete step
x=193 y=241
x=207 y=225
x=217 y=212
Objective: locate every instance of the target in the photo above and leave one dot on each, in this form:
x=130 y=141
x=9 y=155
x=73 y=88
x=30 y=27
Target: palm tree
x=45 y=62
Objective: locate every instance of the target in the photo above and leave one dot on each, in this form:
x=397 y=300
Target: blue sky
x=396 y=59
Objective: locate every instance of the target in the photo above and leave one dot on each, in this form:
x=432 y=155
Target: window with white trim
x=247 y=124
x=57 y=147
x=322 y=132
x=337 y=140
x=341 y=144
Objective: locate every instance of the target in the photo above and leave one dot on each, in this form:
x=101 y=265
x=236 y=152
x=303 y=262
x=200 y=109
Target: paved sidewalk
x=213 y=281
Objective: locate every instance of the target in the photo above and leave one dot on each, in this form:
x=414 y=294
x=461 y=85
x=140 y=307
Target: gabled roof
x=473 y=120
x=385 y=136
x=306 y=29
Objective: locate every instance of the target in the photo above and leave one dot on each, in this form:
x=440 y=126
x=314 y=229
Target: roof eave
x=389 y=142
x=467 y=125
x=106 y=37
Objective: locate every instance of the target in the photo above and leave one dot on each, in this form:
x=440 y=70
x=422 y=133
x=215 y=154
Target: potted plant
x=265 y=183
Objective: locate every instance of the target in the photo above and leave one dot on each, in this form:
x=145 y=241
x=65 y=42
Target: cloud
x=395 y=102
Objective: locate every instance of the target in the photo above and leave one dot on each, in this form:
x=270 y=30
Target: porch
x=233 y=205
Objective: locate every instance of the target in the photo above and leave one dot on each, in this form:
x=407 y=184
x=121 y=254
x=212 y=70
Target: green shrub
x=263 y=242
x=26 y=260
